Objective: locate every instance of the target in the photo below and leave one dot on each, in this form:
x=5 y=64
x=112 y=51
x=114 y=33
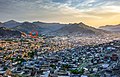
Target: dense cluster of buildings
x=51 y=58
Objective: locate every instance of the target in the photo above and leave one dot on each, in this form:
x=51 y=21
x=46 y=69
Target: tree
x=76 y=71
x=65 y=66
x=53 y=66
x=1 y=48
x=31 y=54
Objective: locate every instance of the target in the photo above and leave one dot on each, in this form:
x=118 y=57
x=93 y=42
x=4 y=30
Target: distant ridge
x=27 y=27
x=112 y=28
x=54 y=28
x=48 y=27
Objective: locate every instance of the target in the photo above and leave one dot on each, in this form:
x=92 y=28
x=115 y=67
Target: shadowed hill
x=80 y=28
x=5 y=32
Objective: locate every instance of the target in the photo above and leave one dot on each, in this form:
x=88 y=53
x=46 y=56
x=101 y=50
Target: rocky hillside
x=80 y=29
x=1 y=24
x=28 y=27
x=5 y=32
x=11 y=24
x=54 y=28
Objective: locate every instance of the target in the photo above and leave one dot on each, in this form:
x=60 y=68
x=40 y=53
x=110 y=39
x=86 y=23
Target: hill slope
x=1 y=24
x=28 y=27
x=5 y=32
x=80 y=29
x=11 y=24
x=48 y=27
x=58 y=29
x=42 y=28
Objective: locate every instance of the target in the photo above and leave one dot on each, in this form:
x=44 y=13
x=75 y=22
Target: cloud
x=63 y=11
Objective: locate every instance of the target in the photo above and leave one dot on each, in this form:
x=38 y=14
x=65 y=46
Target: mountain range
x=79 y=28
x=55 y=28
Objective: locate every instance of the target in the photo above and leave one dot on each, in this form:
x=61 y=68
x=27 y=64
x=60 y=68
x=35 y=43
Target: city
x=47 y=57
x=59 y=38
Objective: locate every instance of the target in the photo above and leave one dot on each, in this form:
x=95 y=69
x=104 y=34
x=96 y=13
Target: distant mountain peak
x=78 y=24
x=11 y=21
x=26 y=22
x=38 y=22
x=82 y=23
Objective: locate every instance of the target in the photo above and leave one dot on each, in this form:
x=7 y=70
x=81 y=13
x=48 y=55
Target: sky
x=92 y=12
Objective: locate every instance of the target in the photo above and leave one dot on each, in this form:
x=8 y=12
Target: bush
x=31 y=54
x=76 y=71
x=53 y=66
x=1 y=48
x=65 y=66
